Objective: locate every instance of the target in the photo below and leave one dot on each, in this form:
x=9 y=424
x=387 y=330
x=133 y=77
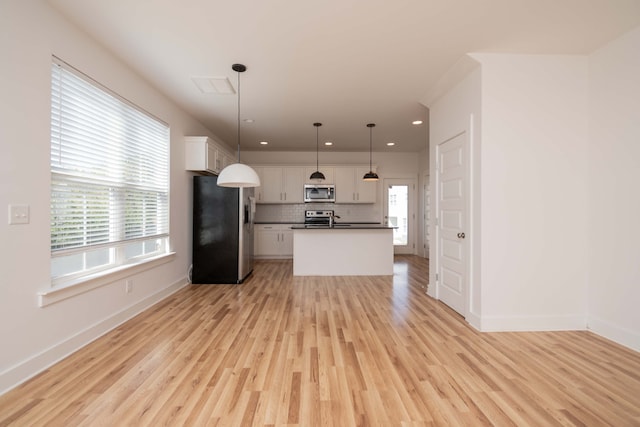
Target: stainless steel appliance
x=319 y=193
x=321 y=218
x=222 y=232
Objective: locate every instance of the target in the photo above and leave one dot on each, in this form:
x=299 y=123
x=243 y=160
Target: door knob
x=460 y=235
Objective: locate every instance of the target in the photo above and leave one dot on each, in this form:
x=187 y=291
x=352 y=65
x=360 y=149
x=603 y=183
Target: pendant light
x=317 y=174
x=237 y=174
x=371 y=175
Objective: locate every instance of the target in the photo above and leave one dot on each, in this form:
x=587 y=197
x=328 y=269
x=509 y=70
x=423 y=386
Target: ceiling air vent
x=216 y=85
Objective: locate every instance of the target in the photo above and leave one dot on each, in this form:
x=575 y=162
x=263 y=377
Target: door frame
x=436 y=250
x=427 y=200
x=411 y=200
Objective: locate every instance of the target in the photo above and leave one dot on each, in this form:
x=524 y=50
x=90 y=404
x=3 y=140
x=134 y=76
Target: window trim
x=85 y=277
x=99 y=279
x=79 y=276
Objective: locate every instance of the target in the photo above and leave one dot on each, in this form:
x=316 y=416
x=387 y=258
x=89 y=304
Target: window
x=109 y=179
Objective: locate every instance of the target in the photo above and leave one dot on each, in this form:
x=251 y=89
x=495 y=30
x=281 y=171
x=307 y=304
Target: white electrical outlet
x=18 y=214
x=128 y=286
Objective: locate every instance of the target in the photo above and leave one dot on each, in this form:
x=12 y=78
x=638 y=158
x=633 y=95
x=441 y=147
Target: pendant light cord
x=317 y=150
x=238 y=116
x=370 y=148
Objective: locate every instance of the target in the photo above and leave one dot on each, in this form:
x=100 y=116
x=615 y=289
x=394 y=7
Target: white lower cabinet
x=273 y=241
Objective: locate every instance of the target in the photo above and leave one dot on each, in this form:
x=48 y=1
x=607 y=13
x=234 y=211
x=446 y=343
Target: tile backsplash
x=295 y=212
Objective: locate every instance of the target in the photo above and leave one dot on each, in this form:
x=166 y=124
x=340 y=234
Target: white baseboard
x=613 y=332
x=532 y=323
x=474 y=320
x=31 y=367
x=431 y=290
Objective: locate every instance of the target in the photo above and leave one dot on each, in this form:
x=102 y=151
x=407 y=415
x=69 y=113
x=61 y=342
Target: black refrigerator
x=222 y=232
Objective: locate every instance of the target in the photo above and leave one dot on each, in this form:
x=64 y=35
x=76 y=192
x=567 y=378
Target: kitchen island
x=342 y=250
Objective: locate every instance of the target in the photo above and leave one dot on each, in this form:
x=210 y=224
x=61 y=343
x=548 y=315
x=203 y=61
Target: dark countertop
x=344 y=226
x=279 y=222
x=298 y=223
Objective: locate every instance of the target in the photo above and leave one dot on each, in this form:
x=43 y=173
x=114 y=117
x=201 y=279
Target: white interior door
x=399 y=211
x=452 y=263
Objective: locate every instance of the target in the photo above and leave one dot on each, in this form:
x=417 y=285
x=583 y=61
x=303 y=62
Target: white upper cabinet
x=293 y=185
x=271 y=183
x=203 y=154
x=280 y=184
x=284 y=184
x=350 y=188
x=258 y=191
x=227 y=159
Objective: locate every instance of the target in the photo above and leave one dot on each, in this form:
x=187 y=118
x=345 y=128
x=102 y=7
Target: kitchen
x=280 y=203
x=386 y=164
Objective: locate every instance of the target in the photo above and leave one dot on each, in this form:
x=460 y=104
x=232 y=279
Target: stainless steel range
x=319 y=218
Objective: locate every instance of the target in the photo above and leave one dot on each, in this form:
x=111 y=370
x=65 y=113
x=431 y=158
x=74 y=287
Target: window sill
x=87 y=283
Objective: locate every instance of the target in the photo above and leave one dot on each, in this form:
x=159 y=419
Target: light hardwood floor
x=334 y=351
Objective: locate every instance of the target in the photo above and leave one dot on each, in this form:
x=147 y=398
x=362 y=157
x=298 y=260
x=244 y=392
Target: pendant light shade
x=371 y=175
x=237 y=174
x=317 y=174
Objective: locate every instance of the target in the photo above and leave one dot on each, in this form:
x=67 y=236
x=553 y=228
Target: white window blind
x=109 y=177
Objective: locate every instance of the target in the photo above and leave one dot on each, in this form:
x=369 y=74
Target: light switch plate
x=18 y=214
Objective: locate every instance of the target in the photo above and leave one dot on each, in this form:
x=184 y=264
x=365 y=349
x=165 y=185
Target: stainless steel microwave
x=319 y=193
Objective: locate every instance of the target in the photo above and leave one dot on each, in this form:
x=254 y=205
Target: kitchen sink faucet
x=332 y=219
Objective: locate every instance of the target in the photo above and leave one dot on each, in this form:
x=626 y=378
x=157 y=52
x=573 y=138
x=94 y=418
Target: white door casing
x=426 y=240
x=409 y=247
x=452 y=264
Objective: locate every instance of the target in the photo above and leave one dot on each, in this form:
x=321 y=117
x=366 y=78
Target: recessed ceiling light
x=416 y=122
x=249 y=120
x=217 y=85
x=391 y=144
x=328 y=143
x=264 y=143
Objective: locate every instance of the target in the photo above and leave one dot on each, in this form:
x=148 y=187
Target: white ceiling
x=344 y=63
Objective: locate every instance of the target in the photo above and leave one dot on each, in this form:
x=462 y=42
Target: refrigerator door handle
x=252 y=202
x=252 y=210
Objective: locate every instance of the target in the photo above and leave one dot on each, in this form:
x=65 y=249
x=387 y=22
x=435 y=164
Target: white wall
x=458 y=110
x=614 y=198
x=533 y=191
x=389 y=164
x=526 y=117
x=556 y=173
x=33 y=337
